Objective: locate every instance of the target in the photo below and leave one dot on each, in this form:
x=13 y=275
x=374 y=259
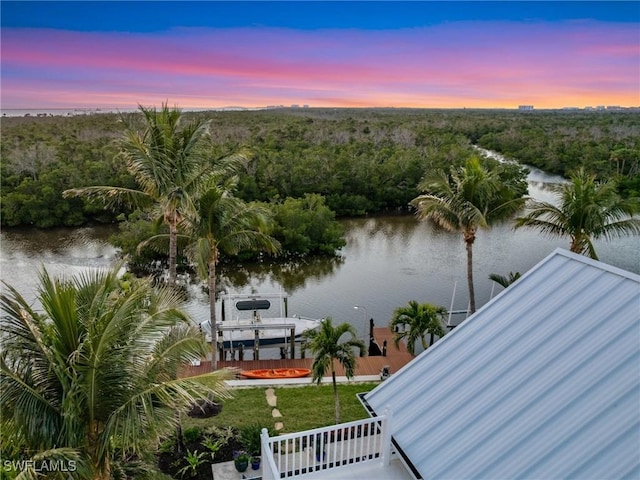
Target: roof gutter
x=403 y=456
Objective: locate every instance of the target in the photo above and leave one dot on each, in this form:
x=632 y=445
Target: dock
x=366 y=366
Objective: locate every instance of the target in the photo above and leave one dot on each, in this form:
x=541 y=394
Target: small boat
x=276 y=373
x=268 y=330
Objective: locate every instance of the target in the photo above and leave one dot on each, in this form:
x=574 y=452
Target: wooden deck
x=396 y=358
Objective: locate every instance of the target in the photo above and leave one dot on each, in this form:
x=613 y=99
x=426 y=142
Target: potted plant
x=241 y=462
x=250 y=439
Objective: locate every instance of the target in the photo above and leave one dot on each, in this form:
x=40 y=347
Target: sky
x=438 y=54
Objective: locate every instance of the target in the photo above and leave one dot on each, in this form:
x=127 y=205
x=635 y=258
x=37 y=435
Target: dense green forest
x=359 y=160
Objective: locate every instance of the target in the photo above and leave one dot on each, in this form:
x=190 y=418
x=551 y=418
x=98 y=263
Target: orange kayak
x=276 y=373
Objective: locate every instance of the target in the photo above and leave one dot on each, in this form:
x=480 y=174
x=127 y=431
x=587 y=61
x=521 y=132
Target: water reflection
x=82 y=244
x=63 y=252
x=291 y=275
x=386 y=262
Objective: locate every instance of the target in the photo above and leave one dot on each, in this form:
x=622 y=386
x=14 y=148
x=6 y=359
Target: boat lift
x=456 y=312
x=269 y=330
x=256 y=327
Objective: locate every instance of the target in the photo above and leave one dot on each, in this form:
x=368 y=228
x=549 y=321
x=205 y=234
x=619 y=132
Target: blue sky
x=144 y=16
x=363 y=54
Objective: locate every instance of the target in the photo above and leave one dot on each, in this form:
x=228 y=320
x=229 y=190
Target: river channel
x=387 y=261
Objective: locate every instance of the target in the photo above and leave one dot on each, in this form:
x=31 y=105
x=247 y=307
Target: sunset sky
x=322 y=54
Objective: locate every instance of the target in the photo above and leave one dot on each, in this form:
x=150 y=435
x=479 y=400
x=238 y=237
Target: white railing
x=338 y=446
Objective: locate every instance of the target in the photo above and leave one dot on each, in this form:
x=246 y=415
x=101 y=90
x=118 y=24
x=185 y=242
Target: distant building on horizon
x=525 y=108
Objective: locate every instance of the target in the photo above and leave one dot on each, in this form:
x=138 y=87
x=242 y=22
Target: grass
x=302 y=408
x=310 y=407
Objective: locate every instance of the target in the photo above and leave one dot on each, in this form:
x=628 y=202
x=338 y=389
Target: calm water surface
x=387 y=262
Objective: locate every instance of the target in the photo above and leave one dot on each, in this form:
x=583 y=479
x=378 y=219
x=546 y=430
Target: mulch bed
x=171 y=462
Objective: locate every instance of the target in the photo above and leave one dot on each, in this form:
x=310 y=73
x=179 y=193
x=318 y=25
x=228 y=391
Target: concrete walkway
x=227 y=471
x=279 y=382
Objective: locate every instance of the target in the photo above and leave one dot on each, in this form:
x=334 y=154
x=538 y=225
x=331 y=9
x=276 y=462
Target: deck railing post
x=385 y=453
x=269 y=469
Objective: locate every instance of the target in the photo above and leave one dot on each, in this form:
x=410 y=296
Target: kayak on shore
x=276 y=373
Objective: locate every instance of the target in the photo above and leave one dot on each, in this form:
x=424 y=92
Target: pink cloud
x=459 y=64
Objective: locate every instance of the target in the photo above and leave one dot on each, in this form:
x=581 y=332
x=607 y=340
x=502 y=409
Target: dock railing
x=300 y=454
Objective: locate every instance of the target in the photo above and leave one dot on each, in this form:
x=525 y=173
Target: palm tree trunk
x=173 y=250
x=578 y=242
x=469 y=238
x=336 y=397
x=100 y=466
x=101 y=475
x=180 y=446
x=212 y=313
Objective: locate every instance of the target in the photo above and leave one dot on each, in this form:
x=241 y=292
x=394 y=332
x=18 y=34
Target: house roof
x=542 y=382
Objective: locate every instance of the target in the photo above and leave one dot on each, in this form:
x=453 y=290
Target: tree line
x=361 y=161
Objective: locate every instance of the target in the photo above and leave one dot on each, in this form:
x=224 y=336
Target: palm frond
x=328 y=344
x=421 y=320
x=101 y=361
x=111 y=197
x=584 y=210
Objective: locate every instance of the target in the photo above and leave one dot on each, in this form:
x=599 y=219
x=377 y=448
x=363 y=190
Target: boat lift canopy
x=244 y=305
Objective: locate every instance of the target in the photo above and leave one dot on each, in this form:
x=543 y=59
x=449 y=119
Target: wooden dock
x=395 y=359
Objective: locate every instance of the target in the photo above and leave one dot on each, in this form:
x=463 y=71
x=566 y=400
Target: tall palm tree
x=99 y=363
x=169 y=163
x=224 y=224
x=471 y=197
x=422 y=319
x=585 y=210
x=327 y=346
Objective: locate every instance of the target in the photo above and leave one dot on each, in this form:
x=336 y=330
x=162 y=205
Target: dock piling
x=256 y=345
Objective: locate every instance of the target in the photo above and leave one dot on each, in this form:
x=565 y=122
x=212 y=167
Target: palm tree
x=169 y=163
x=98 y=364
x=586 y=210
x=422 y=319
x=471 y=197
x=224 y=224
x=326 y=345
x=504 y=281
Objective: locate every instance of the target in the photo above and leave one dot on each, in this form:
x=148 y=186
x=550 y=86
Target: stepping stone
x=275 y=413
x=272 y=400
x=279 y=426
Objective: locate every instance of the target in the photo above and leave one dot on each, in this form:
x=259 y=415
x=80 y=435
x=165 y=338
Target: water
x=387 y=261
x=24 y=252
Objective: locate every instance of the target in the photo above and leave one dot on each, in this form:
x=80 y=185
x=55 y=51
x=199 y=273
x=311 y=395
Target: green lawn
x=302 y=408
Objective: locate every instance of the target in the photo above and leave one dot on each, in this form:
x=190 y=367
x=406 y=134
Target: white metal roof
x=542 y=382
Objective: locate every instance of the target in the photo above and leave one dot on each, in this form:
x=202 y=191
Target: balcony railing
x=304 y=453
